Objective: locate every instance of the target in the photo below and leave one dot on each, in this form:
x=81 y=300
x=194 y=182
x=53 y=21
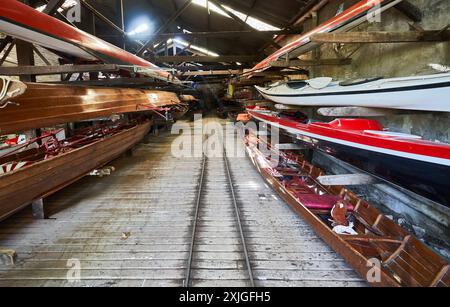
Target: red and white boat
x=359 y=13
x=23 y=22
x=407 y=160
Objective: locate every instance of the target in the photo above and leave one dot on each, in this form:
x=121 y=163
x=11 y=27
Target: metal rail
x=194 y=225
x=238 y=219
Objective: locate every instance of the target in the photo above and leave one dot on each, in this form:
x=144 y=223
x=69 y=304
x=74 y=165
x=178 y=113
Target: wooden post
x=38 y=209
x=25 y=57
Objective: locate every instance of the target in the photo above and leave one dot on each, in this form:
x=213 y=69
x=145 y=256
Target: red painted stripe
x=31 y=18
x=344 y=17
x=418 y=147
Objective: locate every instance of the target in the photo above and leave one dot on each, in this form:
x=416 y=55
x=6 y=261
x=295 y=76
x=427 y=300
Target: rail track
x=237 y=232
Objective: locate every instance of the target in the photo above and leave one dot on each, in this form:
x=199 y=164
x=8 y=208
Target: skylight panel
x=251 y=21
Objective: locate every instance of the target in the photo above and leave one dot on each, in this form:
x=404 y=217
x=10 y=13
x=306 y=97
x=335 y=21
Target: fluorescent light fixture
x=139 y=29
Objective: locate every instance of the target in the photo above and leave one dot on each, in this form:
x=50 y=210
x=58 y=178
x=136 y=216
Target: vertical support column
x=38 y=209
x=25 y=56
x=316 y=51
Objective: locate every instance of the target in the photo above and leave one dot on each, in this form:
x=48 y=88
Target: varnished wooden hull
x=21 y=187
x=46 y=105
x=404 y=260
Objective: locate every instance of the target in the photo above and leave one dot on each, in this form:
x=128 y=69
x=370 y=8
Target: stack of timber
x=33 y=172
x=46 y=105
x=381 y=251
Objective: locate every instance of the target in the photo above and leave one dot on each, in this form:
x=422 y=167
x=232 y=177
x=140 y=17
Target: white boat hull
x=422 y=94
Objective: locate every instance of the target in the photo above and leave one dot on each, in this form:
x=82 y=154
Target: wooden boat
x=46 y=105
x=382 y=252
x=406 y=160
x=425 y=93
x=345 y=21
x=38 y=172
x=24 y=22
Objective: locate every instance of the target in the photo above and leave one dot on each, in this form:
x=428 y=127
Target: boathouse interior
x=224 y=143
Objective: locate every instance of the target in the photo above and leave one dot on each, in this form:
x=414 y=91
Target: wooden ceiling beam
x=322 y=62
x=382 y=37
x=210 y=73
x=204 y=59
x=219 y=34
x=56 y=70
x=208 y=67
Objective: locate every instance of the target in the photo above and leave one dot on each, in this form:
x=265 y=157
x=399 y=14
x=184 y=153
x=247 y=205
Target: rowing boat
x=363 y=11
x=24 y=22
x=407 y=160
x=35 y=173
x=382 y=252
x=46 y=105
x=425 y=93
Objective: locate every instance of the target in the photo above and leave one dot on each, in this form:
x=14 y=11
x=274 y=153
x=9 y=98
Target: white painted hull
x=424 y=93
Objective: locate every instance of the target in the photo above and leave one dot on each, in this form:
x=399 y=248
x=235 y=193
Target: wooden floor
x=134 y=227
